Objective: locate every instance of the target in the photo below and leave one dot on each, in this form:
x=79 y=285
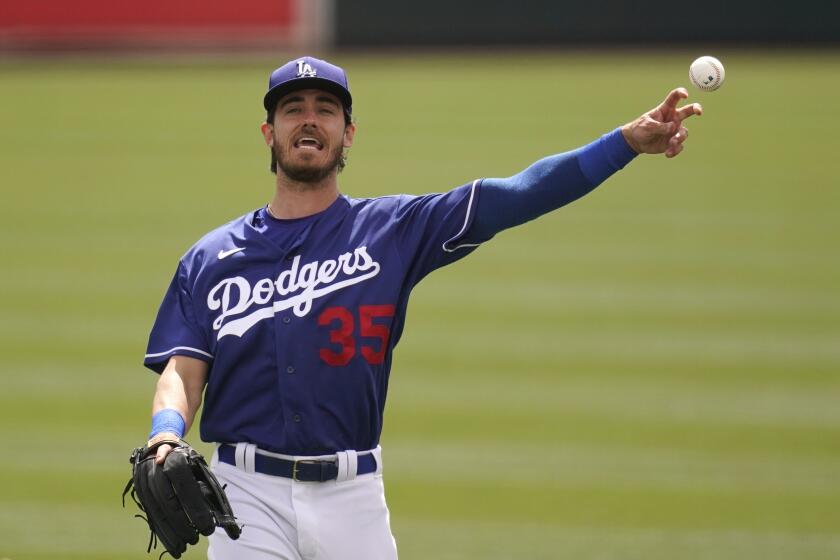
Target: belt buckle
x=295 y=467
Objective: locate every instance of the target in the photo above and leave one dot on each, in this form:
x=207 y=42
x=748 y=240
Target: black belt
x=303 y=470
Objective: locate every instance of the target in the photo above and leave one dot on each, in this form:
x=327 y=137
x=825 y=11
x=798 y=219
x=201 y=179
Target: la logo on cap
x=304 y=70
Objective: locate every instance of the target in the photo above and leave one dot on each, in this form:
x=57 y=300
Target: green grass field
x=651 y=373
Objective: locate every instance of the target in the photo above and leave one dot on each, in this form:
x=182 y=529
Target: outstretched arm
x=560 y=179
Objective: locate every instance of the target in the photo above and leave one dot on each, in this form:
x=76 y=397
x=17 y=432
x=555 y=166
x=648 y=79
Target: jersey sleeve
x=176 y=331
x=434 y=229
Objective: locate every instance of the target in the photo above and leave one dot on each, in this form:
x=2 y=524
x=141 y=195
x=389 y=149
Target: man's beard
x=307 y=172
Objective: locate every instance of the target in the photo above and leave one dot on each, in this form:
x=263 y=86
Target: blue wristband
x=168 y=420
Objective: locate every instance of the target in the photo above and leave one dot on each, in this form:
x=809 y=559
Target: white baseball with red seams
x=706 y=73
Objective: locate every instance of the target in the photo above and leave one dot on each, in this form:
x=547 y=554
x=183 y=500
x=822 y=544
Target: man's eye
x=327 y=110
x=292 y=110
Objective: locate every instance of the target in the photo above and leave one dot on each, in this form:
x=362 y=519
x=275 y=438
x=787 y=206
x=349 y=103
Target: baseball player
x=285 y=319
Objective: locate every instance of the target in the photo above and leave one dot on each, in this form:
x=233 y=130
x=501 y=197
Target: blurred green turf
x=651 y=373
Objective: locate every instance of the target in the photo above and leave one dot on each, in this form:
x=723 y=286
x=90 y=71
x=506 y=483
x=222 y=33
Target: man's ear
x=349 y=134
x=268 y=133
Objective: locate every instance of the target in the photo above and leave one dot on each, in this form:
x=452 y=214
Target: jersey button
x=296 y=417
x=287 y=320
x=290 y=369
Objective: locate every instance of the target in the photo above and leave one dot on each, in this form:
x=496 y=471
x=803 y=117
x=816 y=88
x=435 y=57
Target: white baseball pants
x=344 y=519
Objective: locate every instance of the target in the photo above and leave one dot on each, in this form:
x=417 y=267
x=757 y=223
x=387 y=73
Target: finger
x=677 y=139
x=162 y=452
x=689 y=110
x=674 y=151
x=673 y=143
x=673 y=98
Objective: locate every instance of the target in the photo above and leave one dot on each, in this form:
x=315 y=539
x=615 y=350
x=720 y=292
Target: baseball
x=706 y=73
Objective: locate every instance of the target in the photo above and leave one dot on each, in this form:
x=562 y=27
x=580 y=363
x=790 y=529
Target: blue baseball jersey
x=298 y=319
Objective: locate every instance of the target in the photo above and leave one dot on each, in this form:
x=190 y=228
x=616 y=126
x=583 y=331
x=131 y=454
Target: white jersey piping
x=466 y=222
x=196 y=350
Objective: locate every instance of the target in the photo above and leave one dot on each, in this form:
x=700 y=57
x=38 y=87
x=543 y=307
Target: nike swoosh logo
x=229 y=252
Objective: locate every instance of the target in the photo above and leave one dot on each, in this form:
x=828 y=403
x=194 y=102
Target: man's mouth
x=308 y=143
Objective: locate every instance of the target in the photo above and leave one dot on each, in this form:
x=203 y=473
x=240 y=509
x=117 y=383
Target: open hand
x=660 y=130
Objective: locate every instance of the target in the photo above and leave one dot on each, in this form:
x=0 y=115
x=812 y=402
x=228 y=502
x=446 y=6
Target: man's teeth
x=310 y=142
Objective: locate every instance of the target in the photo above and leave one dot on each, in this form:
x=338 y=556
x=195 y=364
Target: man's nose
x=309 y=118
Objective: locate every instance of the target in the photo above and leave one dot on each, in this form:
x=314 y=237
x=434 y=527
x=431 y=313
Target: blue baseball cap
x=305 y=73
